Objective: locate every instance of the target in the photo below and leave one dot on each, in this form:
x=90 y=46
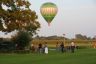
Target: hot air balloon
x=48 y=11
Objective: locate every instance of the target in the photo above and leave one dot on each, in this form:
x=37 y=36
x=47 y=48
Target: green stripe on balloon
x=49 y=15
x=49 y=4
x=49 y=18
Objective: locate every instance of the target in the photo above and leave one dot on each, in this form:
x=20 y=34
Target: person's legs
x=62 y=50
x=72 y=49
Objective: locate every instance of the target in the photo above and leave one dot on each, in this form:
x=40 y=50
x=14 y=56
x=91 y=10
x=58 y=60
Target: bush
x=22 y=40
x=7 y=46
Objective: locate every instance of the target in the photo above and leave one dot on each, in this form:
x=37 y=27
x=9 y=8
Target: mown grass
x=81 y=56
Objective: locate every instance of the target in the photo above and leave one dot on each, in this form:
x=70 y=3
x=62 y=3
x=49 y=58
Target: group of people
x=61 y=47
x=43 y=48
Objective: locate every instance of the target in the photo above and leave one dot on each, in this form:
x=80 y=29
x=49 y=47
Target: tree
x=94 y=38
x=21 y=39
x=17 y=15
x=82 y=37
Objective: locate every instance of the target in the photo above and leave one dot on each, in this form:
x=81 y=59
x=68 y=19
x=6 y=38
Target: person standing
x=32 y=48
x=40 y=48
x=72 y=47
x=57 y=46
x=62 y=47
x=46 y=48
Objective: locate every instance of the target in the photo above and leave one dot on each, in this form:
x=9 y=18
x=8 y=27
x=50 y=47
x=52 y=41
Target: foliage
x=16 y=15
x=82 y=37
x=7 y=46
x=22 y=40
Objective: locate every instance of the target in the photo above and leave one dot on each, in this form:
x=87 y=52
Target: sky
x=73 y=17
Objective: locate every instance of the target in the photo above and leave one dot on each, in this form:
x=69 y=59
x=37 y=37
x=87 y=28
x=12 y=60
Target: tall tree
x=17 y=15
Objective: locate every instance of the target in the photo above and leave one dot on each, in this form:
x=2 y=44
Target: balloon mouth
x=48 y=23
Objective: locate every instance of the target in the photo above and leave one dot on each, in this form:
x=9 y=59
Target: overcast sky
x=73 y=17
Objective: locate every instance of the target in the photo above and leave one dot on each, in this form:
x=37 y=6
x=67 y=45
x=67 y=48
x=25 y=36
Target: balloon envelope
x=48 y=11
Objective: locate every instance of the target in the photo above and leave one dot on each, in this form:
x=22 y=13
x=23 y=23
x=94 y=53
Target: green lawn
x=83 y=56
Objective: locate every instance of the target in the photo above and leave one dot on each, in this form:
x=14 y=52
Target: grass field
x=81 y=56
